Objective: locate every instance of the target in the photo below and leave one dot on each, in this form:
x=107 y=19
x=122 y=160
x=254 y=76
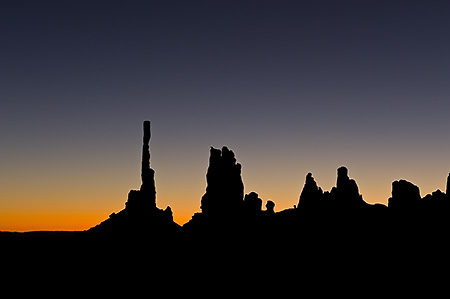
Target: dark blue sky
x=291 y=86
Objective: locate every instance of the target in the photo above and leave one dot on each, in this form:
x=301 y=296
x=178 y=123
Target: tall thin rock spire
x=148 y=189
x=141 y=214
x=145 y=169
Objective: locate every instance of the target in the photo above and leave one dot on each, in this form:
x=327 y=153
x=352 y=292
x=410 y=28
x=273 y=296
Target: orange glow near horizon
x=23 y=222
x=83 y=219
x=290 y=88
x=78 y=205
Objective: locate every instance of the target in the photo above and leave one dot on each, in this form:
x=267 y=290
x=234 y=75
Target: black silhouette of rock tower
x=311 y=195
x=141 y=216
x=225 y=190
x=146 y=196
x=147 y=174
x=346 y=193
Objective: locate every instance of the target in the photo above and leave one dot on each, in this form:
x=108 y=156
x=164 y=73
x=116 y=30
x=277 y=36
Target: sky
x=290 y=86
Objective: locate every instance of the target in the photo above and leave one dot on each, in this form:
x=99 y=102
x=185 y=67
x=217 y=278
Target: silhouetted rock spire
x=147 y=193
x=140 y=213
x=147 y=174
x=346 y=192
x=225 y=189
x=311 y=194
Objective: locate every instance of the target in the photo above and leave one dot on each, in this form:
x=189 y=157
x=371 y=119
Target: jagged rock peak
x=437 y=195
x=311 y=193
x=225 y=189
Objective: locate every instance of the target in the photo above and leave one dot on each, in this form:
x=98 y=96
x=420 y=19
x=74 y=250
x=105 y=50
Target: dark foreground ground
x=327 y=260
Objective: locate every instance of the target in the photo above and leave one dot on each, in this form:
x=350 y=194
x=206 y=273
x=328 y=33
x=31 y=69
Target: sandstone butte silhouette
x=328 y=238
x=228 y=213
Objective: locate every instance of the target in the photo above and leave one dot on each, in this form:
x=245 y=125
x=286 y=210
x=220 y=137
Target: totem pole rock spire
x=141 y=215
x=145 y=169
x=147 y=174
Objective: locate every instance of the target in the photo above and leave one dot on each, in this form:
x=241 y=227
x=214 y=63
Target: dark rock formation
x=147 y=174
x=433 y=211
x=346 y=193
x=416 y=217
x=437 y=202
x=225 y=189
x=311 y=195
x=145 y=197
x=331 y=230
x=447 y=190
x=405 y=195
x=340 y=212
x=222 y=205
x=141 y=214
x=252 y=204
x=270 y=205
x=437 y=195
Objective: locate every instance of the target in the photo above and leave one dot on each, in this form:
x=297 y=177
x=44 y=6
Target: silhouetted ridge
x=140 y=213
x=437 y=195
x=406 y=203
x=321 y=219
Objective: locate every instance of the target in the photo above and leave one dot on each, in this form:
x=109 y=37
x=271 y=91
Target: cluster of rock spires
x=344 y=196
x=225 y=207
x=329 y=240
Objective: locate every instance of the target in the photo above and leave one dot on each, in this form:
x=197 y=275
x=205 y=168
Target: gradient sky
x=290 y=86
